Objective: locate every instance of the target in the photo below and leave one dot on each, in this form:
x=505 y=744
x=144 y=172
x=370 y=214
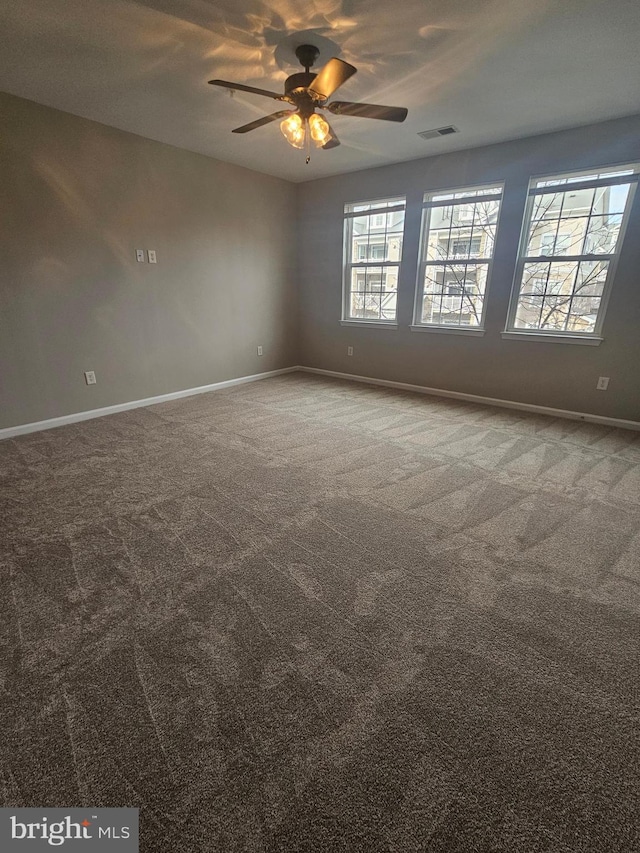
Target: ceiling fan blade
x=348 y=108
x=260 y=121
x=331 y=76
x=227 y=85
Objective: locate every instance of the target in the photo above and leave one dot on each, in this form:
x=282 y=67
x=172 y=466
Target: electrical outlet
x=140 y=256
x=349 y=350
x=259 y=350
x=603 y=383
x=152 y=256
x=90 y=377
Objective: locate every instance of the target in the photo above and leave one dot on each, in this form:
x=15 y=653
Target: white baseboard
x=475 y=398
x=36 y=426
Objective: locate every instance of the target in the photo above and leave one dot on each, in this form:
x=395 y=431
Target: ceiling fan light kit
x=294 y=131
x=307 y=93
x=297 y=130
x=319 y=129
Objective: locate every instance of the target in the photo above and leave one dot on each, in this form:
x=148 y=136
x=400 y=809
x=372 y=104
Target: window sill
x=540 y=337
x=370 y=324
x=448 y=330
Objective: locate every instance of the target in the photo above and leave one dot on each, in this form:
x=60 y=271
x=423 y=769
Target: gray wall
x=76 y=199
x=549 y=374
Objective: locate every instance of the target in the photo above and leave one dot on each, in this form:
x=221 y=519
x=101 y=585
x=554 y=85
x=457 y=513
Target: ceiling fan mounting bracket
x=307 y=55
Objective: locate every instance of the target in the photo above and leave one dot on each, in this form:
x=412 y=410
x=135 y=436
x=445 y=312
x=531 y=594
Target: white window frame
x=557 y=335
x=475 y=194
x=394 y=203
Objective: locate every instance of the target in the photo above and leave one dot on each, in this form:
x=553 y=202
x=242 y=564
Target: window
x=559 y=244
x=372 y=250
x=571 y=237
x=458 y=236
x=465 y=246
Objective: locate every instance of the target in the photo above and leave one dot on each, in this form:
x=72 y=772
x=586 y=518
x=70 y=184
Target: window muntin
x=373 y=251
x=458 y=238
x=571 y=237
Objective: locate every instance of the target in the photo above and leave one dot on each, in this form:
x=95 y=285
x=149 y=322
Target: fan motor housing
x=298 y=81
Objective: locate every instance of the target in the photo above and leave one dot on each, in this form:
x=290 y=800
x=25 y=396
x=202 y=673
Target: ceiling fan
x=307 y=93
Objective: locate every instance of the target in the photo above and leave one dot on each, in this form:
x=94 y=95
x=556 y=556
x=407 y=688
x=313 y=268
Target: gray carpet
x=311 y=615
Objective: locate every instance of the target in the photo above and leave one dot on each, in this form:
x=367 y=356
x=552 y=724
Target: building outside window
x=373 y=234
x=573 y=230
x=458 y=237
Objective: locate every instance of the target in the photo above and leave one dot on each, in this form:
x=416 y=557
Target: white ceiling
x=497 y=69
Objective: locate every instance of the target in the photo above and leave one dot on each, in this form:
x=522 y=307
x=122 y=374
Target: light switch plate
x=140 y=256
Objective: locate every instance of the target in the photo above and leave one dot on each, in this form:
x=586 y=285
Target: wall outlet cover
x=152 y=256
x=90 y=377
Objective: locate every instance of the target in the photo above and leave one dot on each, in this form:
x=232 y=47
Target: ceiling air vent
x=438 y=131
